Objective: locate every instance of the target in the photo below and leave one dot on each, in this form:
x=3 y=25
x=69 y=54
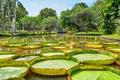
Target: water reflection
x=54 y=37
x=33 y=76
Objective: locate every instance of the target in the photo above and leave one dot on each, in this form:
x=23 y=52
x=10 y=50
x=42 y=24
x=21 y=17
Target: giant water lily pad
x=6 y=52
x=6 y=57
x=15 y=45
x=94 y=58
x=58 y=47
x=3 y=43
x=50 y=44
x=26 y=58
x=92 y=72
x=12 y=72
x=110 y=44
x=53 y=66
x=92 y=46
x=53 y=54
x=94 y=75
x=117 y=50
x=31 y=47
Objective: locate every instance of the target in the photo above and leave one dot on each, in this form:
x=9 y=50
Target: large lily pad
x=6 y=57
x=58 y=47
x=53 y=66
x=48 y=44
x=53 y=54
x=26 y=58
x=92 y=46
x=56 y=64
x=94 y=75
x=94 y=58
x=31 y=47
x=11 y=72
x=110 y=44
x=92 y=72
x=114 y=50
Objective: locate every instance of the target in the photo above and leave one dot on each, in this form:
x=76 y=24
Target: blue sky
x=34 y=6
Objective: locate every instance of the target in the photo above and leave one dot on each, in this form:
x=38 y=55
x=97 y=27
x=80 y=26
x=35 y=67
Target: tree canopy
x=47 y=12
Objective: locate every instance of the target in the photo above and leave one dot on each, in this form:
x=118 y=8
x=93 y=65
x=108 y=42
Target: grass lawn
x=87 y=33
x=112 y=36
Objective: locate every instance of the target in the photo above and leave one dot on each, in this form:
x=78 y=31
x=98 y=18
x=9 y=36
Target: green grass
x=94 y=33
x=112 y=36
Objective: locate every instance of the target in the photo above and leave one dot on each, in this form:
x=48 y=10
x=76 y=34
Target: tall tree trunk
x=9 y=21
x=2 y=6
x=14 y=19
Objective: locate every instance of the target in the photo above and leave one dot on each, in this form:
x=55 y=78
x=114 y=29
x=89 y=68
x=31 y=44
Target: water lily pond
x=44 y=54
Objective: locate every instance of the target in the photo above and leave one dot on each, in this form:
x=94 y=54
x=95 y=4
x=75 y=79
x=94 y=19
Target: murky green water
x=59 y=37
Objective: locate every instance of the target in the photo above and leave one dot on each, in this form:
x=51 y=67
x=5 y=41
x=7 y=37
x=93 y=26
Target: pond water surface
x=51 y=38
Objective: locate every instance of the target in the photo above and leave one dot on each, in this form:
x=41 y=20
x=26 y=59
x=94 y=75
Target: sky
x=34 y=6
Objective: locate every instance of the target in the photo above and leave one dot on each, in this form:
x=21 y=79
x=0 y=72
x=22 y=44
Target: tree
x=65 y=18
x=97 y=11
x=30 y=23
x=50 y=23
x=9 y=12
x=47 y=12
x=2 y=8
x=81 y=17
x=9 y=20
x=111 y=13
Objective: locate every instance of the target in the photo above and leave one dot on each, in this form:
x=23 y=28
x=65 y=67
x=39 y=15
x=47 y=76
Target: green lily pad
x=11 y=72
x=52 y=67
x=6 y=57
x=53 y=54
x=94 y=75
x=84 y=57
x=94 y=58
x=26 y=58
x=55 y=63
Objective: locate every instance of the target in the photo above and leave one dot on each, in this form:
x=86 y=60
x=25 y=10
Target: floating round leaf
x=58 y=47
x=26 y=58
x=53 y=66
x=93 y=73
x=50 y=44
x=13 y=70
x=3 y=43
x=31 y=47
x=53 y=54
x=94 y=46
x=94 y=58
x=6 y=57
x=110 y=44
x=114 y=50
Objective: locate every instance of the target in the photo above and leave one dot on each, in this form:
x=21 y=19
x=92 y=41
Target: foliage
x=21 y=12
x=79 y=17
x=31 y=23
x=111 y=13
x=50 y=23
x=65 y=18
x=47 y=12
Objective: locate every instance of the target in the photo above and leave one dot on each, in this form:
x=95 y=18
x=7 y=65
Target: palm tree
x=9 y=21
x=14 y=19
x=2 y=6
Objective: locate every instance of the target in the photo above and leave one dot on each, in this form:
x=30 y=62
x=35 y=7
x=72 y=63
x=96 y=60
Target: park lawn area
x=113 y=36
x=79 y=33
